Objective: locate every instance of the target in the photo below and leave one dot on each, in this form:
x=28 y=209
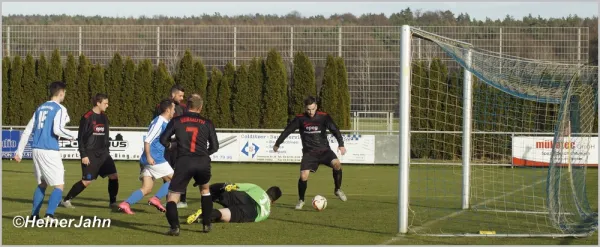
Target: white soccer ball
x=319 y=203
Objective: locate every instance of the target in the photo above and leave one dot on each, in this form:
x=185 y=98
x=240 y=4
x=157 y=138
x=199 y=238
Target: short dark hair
x=164 y=105
x=98 y=98
x=195 y=101
x=309 y=100
x=274 y=193
x=177 y=87
x=56 y=87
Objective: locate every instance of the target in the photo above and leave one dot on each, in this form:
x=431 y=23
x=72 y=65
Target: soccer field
x=368 y=217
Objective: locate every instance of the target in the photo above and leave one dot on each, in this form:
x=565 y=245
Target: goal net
x=495 y=145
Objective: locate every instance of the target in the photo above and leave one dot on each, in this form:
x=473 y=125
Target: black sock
x=183 y=197
x=337 y=179
x=207 y=206
x=172 y=216
x=216 y=215
x=75 y=190
x=113 y=190
x=302 y=188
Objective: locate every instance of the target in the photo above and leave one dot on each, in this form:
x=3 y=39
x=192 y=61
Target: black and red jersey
x=313 y=131
x=93 y=134
x=192 y=134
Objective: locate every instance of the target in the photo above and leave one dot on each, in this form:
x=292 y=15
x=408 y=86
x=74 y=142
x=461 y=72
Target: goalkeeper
x=242 y=202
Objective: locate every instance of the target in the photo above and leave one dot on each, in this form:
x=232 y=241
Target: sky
x=477 y=10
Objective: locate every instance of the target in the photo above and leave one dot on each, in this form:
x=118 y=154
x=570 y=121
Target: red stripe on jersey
x=321 y=113
x=88 y=114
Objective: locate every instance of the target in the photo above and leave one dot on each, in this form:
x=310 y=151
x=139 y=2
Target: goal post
x=404 y=135
x=483 y=142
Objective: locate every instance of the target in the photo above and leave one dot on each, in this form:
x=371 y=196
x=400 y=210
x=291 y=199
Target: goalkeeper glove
x=231 y=187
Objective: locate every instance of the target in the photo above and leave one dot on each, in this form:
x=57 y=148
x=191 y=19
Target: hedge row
x=254 y=95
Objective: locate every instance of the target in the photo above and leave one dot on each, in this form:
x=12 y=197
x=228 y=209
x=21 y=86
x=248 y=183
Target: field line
x=17 y=212
x=462 y=211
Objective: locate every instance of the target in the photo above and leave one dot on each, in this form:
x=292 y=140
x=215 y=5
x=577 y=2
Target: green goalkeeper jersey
x=260 y=197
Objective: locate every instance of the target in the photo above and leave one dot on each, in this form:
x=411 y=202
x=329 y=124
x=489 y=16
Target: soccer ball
x=319 y=203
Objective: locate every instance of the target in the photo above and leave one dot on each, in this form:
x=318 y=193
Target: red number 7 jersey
x=194 y=134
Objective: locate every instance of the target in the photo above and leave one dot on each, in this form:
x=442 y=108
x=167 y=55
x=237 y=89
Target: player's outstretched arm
x=83 y=134
x=24 y=140
x=165 y=137
x=333 y=128
x=213 y=141
x=60 y=121
x=289 y=129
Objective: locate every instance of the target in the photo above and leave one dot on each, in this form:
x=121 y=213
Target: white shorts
x=48 y=166
x=156 y=171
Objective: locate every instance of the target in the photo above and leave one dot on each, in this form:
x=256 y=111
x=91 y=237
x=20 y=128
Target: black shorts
x=101 y=164
x=311 y=161
x=243 y=213
x=171 y=155
x=187 y=168
x=242 y=206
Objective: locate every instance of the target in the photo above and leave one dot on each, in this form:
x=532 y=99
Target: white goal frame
x=404 y=135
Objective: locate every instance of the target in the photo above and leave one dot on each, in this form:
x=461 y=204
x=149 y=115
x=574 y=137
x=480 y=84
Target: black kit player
x=177 y=94
x=94 y=143
x=313 y=127
x=196 y=140
x=242 y=202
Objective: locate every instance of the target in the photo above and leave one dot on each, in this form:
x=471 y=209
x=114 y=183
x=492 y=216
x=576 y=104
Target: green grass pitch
x=368 y=217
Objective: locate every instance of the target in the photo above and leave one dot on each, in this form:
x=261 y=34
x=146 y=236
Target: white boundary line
x=461 y=212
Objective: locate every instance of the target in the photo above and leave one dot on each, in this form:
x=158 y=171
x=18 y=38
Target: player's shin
x=163 y=191
x=53 y=201
x=38 y=199
x=337 y=178
x=172 y=215
x=113 y=190
x=135 y=197
x=75 y=190
x=302 y=185
x=207 y=206
x=216 y=215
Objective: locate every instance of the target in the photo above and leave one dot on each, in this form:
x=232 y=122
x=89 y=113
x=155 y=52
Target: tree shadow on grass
x=330 y=226
x=76 y=203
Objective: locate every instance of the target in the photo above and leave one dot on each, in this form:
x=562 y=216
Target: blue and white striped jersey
x=47 y=125
x=157 y=150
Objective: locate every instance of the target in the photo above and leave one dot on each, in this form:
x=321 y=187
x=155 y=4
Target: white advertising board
x=233 y=147
x=258 y=147
x=536 y=151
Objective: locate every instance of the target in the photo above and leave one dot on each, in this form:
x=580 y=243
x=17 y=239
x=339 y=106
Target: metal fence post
x=234 y=46
x=80 y=42
x=157 y=45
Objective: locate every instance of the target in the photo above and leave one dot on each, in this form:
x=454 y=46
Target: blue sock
x=135 y=197
x=38 y=199
x=163 y=191
x=54 y=200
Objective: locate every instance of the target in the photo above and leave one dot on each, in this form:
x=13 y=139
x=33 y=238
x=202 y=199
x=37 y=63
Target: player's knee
x=113 y=176
x=204 y=191
x=225 y=214
x=146 y=190
x=60 y=186
x=86 y=183
x=337 y=165
x=304 y=175
x=173 y=197
x=43 y=184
